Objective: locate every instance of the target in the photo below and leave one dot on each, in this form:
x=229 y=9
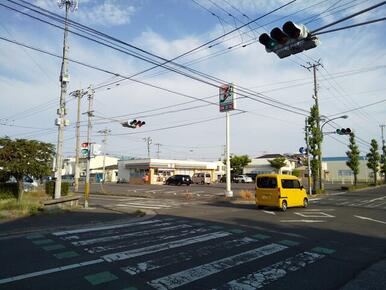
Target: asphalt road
x=206 y=243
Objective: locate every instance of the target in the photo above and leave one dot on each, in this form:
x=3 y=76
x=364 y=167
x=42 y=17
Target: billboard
x=227 y=100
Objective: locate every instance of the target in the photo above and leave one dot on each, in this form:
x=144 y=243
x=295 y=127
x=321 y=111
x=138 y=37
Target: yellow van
x=280 y=191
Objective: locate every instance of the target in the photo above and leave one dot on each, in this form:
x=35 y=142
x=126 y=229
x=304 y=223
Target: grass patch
x=356 y=187
x=30 y=205
x=247 y=195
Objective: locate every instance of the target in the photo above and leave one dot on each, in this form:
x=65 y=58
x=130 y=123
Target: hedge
x=8 y=190
x=50 y=188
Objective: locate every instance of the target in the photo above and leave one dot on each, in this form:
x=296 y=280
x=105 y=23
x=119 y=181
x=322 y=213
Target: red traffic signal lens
x=84 y=145
x=291 y=29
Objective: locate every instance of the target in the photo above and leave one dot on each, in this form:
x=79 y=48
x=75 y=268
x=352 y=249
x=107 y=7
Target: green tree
x=315 y=140
x=383 y=163
x=238 y=163
x=373 y=159
x=278 y=163
x=353 y=157
x=21 y=157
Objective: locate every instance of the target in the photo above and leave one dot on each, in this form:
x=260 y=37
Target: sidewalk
x=60 y=220
x=374 y=278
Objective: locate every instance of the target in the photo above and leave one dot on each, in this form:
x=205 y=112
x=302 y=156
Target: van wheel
x=305 y=203
x=284 y=205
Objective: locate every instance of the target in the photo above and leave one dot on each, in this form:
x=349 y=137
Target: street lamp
x=329 y=120
x=321 y=159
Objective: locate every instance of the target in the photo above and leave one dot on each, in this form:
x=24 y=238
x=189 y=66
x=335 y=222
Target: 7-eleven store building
x=158 y=170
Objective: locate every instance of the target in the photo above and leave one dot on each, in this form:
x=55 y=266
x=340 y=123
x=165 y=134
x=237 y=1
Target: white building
x=158 y=170
x=96 y=167
x=338 y=170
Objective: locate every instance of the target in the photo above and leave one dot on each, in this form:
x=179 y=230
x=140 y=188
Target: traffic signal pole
x=89 y=128
x=314 y=66
x=79 y=95
x=308 y=159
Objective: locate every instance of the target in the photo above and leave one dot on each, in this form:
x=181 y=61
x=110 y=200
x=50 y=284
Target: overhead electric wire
x=358 y=108
x=347 y=17
x=219 y=81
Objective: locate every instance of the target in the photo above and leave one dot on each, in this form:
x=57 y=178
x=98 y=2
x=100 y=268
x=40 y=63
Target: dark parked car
x=179 y=180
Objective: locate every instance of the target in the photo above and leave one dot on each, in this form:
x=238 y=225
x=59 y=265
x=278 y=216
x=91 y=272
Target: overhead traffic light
x=133 y=123
x=85 y=150
x=343 y=131
x=291 y=39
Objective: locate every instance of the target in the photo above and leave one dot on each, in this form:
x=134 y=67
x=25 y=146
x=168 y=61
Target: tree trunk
x=355 y=179
x=375 y=177
x=20 y=189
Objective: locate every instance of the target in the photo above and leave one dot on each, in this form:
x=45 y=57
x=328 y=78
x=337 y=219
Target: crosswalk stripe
x=139 y=241
x=193 y=274
x=186 y=255
x=161 y=247
x=85 y=230
x=120 y=237
x=143 y=206
x=272 y=273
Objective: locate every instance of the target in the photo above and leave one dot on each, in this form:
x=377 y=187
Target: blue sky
x=353 y=75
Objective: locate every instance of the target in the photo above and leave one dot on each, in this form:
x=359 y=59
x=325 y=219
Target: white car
x=242 y=179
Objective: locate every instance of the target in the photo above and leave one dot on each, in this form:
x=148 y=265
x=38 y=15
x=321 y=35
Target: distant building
x=96 y=168
x=158 y=170
x=261 y=165
x=340 y=172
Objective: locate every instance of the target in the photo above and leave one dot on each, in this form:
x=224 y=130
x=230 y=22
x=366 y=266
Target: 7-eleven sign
x=227 y=98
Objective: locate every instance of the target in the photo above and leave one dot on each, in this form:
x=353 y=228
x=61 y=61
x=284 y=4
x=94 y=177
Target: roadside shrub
x=296 y=172
x=246 y=194
x=50 y=188
x=8 y=190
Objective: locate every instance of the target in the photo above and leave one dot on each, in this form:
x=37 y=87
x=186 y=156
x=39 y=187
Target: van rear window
x=266 y=182
x=290 y=183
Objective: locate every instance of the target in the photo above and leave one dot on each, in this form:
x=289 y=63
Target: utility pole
x=148 y=141
x=158 y=152
x=61 y=122
x=105 y=132
x=315 y=97
x=89 y=128
x=383 y=139
x=78 y=94
x=308 y=158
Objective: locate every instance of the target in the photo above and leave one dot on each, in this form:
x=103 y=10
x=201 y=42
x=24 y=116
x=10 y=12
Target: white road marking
x=302 y=221
x=314 y=214
x=269 y=212
x=370 y=219
x=186 y=255
x=49 y=271
x=120 y=237
x=161 y=247
x=139 y=204
x=272 y=273
x=318 y=210
x=338 y=193
x=193 y=274
x=85 y=230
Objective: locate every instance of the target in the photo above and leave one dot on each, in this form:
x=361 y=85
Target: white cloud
x=105 y=13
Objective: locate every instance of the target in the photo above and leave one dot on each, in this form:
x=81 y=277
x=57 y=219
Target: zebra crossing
x=149 y=203
x=169 y=253
x=371 y=203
